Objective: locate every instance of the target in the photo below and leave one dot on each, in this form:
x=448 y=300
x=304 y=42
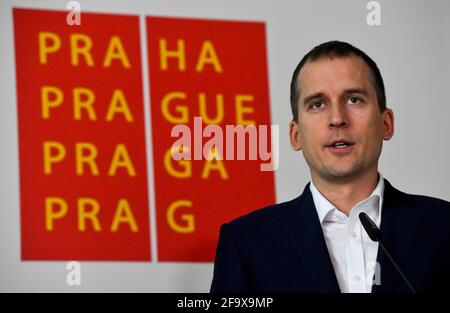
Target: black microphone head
x=371 y=228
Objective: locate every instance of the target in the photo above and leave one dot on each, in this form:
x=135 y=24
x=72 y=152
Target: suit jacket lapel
x=399 y=222
x=305 y=231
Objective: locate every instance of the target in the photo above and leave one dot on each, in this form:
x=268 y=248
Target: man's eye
x=316 y=105
x=354 y=100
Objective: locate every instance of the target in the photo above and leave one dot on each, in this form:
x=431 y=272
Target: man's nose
x=338 y=117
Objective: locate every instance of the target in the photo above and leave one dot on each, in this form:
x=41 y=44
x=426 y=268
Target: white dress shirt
x=353 y=254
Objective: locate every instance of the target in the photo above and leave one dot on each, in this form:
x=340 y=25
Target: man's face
x=338 y=107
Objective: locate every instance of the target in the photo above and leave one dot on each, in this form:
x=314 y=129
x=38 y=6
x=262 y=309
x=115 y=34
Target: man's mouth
x=340 y=144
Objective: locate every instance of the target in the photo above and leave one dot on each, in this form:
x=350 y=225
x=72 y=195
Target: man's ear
x=294 y=135
x=388 y=124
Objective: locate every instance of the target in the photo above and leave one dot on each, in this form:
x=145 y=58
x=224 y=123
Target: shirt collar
x=371 y=205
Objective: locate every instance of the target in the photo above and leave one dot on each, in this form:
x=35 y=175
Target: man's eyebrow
x=318 y=95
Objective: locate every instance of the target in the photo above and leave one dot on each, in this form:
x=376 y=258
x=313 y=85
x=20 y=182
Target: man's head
x=336 y=49
x=337 y=94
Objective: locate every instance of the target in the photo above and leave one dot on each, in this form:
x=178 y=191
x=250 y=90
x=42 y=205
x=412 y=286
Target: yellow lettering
x=188 y=218
x=185 y=164
x=50 y=158
x=208 y=55
x=214 y=162
x=183 y=110
x=116 y=51
x=44 y=49
x=179 y=54
x=124 y=215
x=88 y=158
x=77 y=50
x=121 y=159
x=83 y=98
x=119 y=104
x=91 y=215
x=241 y=109
x=47 y=103
x=51 y=214
x=219 y=109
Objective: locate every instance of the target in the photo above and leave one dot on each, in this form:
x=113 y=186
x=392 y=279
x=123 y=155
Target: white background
x=411 y=48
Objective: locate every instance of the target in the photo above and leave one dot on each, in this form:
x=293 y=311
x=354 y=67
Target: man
x=316 y=243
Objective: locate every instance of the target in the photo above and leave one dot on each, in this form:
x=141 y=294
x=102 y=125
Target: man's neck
x=345 y=194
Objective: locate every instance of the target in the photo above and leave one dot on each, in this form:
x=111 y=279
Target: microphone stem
x=397 y=267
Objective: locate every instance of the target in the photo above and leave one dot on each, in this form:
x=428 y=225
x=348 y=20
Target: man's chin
x=341 y=174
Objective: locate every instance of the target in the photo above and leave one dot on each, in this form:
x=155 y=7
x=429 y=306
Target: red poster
x=216 y=70
x=83 y=177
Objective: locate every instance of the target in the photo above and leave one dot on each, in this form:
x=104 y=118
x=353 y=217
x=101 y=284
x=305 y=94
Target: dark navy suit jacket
x=281 y=248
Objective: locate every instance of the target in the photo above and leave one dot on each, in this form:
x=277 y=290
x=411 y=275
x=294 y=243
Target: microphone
x=375 y=235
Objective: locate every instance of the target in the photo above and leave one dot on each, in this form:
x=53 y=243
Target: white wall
x=411 y=47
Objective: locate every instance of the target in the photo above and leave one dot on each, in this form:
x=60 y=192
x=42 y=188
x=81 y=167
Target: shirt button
x=352 y=234
x=356 y=278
